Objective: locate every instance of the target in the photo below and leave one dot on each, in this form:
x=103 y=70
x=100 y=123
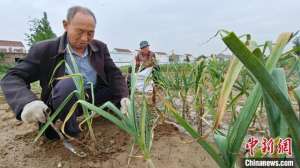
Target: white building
x=176 y=58
x=162 y=57
x=121 y=56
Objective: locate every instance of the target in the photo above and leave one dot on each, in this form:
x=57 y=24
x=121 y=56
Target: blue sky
x=181 y=25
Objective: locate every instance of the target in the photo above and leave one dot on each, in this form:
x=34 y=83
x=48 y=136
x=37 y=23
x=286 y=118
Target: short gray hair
x=75 y=9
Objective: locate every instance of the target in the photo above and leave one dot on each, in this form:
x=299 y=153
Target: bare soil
x=170 y=148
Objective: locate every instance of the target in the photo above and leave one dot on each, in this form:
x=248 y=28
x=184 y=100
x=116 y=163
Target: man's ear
x=65 y=24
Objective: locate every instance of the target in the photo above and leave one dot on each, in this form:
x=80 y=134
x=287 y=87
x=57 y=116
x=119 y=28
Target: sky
x=181 y=25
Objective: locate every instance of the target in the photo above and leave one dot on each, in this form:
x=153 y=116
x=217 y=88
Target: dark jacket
x=39 y=64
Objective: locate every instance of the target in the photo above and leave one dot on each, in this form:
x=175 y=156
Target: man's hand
x=125 y=102
x=34 y=112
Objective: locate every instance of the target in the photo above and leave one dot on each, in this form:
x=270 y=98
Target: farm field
x=202 y=114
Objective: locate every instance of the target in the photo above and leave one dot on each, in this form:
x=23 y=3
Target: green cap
x=144 y=44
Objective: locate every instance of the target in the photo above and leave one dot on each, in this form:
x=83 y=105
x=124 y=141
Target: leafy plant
x=138 y=123
x=229 y=145
x=39 y=30
x=266 y=81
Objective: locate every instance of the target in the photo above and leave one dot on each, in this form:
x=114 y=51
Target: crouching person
x=93 y=60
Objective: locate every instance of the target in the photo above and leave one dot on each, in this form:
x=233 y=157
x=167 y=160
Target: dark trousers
x=63 y=88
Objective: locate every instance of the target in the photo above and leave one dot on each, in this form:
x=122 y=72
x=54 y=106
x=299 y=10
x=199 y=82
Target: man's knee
x=63 y=88
x=60 y=92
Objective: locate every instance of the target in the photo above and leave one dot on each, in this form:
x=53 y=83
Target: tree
x=297 y=45
x=39 y=30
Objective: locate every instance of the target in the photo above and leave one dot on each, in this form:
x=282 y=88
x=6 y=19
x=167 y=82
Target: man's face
x=80 y=30
x=145 y=49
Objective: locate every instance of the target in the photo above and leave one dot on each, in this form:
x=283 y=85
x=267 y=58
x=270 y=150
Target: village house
x=11 y=51
x=162 y=57
x=176 y=58
x=122 y=56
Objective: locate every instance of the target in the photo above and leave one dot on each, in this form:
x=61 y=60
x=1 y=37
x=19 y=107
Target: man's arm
x=154 y=60
x=137 y=61
x=16 y=83
x=114 y=75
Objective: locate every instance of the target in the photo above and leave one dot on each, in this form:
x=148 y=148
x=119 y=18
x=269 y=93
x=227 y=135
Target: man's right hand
x=125 y=103
x=34 y=112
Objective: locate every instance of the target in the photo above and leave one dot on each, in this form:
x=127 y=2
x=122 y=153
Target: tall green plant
x=239 y=128
x=231 y=76
x=267 y=82
x=79 y=93
x=136 y=122
x=229 y=146
x=277 y=124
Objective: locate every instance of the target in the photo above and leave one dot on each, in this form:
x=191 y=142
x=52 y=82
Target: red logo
x=270 y=146
x=250 y=146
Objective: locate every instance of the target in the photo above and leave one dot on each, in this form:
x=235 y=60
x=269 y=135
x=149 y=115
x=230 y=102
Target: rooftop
x=11 y=43
x=122 y=50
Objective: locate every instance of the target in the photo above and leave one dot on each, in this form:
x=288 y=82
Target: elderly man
x=146 y=66
x=92 y=58
x=145 y=57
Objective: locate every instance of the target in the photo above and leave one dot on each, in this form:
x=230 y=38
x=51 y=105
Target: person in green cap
x=146 y=65
x=145 y=57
